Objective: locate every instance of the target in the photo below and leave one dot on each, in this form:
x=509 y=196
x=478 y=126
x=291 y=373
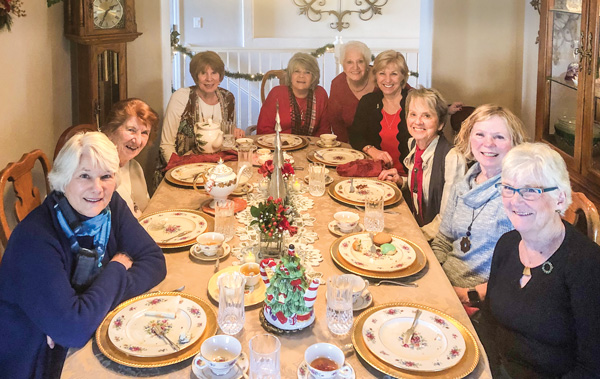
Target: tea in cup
x=325 y=360
x=359 y=286
x=346 y=221
x=209 y=243
x=328 y=139
x=251 y=272
x=219 y=353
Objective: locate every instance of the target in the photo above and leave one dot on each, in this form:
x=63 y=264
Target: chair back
x=27 y=195
x=457 y=119
x=279 y=74
x=70 y=132
x=581 y=204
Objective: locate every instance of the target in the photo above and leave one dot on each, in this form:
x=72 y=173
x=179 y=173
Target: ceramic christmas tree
x=290 y=297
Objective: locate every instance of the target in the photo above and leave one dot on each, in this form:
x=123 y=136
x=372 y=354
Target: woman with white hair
x=545 y=275
x=349 y=87
x=302 y=103
x=70 y=261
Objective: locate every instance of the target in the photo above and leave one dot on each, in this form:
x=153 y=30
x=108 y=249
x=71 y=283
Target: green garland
x=254 y=77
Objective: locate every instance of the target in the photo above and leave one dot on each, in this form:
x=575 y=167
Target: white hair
x=100 y=149
x=537 y=165
x=356 y=45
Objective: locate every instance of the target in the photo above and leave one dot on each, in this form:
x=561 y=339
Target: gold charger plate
x=210 y=226
x=391 y=201
x=414 y=268
x=463 y=368
x=256 y=296
x=169 y=177
x=302 y=145
x=114 y=354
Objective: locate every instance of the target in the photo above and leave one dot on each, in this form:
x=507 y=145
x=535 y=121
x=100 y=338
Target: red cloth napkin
x=360 y=168
x=176 y=160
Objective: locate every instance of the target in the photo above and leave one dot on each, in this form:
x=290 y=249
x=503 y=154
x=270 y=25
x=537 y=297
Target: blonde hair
x=462 y=142
x=102 y=152
x=537 y=165
x=391 y=57
x=309 y=63
x=434 y=100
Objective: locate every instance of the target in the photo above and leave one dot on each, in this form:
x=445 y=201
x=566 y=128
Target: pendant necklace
x=389 y=122
x=202 y=113
x=362 y=89
x=465 y=242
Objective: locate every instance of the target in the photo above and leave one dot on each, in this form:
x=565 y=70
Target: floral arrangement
x=267 y=169
x=271 y=218
x=8 y=9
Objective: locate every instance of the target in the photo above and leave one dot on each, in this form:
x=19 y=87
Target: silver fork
x=352 y=185
x=406 y=336
x=161 y=334
x=373 y=248
x=377 y=284
x=176 y=236
x=218 y=259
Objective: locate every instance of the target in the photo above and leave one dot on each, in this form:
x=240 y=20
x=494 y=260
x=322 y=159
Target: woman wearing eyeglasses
x=545 y=275
x=474 y=219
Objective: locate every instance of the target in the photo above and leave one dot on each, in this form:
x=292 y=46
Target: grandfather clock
x=99 y=31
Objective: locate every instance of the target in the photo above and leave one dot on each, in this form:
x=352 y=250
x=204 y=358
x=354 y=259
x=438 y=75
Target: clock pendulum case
x=99 y=31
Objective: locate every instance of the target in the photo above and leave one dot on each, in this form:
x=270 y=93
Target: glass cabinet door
x=562 y=75
x=591 y=141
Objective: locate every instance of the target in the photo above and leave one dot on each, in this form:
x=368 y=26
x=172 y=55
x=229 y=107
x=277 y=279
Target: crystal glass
x=224 y=218
x=245 y=154
x=231 y=315
x=228 y=137
x=374 y=212
x=264 y=357
x=339 y=304
x=316 y=179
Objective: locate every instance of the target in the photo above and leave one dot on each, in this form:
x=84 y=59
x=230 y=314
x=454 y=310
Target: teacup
x=346 y=221
x=328 y=139
x=251 y=271
x=209 y=243
x=359 y=286
x=325 y=360
x=244 y=141
x=262 y=152
x=220 y=353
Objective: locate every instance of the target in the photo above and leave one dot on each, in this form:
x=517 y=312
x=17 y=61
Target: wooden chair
x=581 y=204
x=457 y=119
x=70 y=132
x=27 y=195
x=279 y=74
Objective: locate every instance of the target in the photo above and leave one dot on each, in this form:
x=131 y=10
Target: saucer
x=303 y=372
x=334 y=144
x=335 y=230
x=363 y=302
x=222 y=253
x=236 y=372
x=242 y=190
x=328 y=180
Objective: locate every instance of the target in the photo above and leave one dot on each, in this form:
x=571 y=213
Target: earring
x=557 y=210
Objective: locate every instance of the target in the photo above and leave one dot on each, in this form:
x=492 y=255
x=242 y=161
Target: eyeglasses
x=526 y=193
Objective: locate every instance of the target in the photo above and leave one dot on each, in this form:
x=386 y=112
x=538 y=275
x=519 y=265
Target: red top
x=389 y=142
x=341 y=107
x=416 y=187
x=266 y=118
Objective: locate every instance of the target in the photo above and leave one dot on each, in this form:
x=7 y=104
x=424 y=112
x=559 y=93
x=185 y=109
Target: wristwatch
x=474 y=297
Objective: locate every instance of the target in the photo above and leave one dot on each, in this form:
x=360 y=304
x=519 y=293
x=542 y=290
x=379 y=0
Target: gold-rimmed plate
x=184 y=175
x=418 y=264
x=464 y=367
x=288 y=141
x=348 y=155
x=252 y=296
x=113 y=353
x=338 y=191
x=157 y=223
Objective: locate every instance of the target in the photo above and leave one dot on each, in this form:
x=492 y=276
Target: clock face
x=107 y=13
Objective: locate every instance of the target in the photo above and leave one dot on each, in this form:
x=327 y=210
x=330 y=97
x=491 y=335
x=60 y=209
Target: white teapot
x=209 y=136
x=220 y=181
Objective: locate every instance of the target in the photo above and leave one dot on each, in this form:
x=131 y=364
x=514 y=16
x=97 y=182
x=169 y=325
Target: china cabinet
x=568 y=92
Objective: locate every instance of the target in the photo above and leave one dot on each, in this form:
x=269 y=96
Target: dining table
x=434 y=289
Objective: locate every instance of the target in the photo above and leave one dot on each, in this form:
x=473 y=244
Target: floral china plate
x=203 y=371
x=303 y=372
x=174 y=227
x=363 y=187
x=335 y=229
x=356 y=250
x=337 y=155
x=436 y=344
x=130 y=329
x=288 y=141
